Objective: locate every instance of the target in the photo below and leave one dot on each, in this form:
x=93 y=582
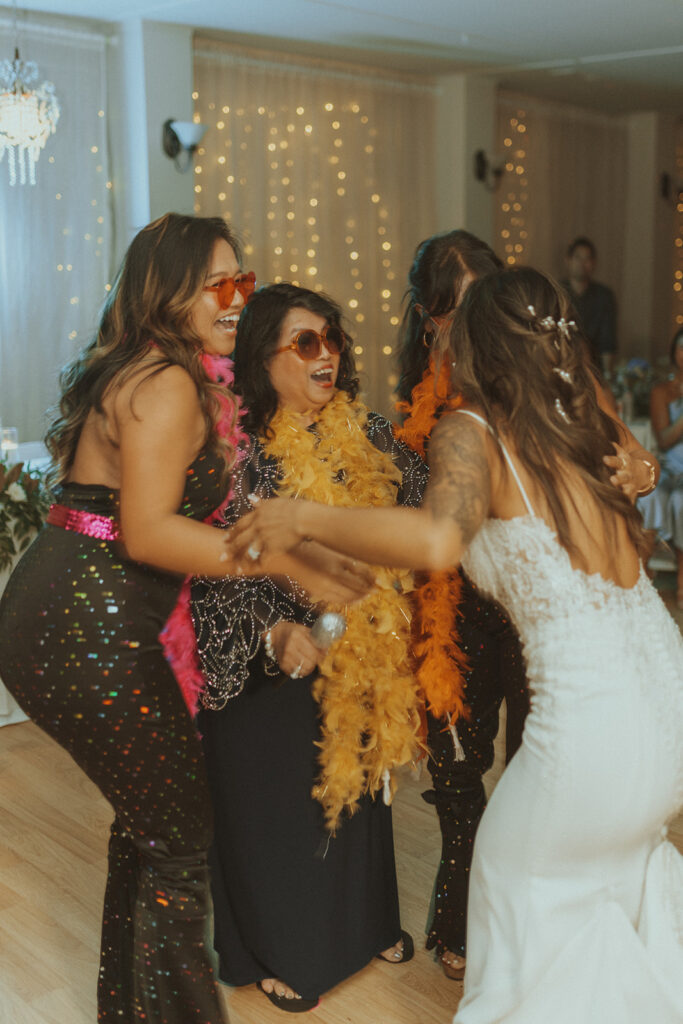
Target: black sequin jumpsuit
x=80 y=652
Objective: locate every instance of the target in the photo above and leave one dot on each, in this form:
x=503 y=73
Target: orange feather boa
x=440 y=662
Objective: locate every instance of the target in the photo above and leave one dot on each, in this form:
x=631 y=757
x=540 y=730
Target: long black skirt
x=290 y=901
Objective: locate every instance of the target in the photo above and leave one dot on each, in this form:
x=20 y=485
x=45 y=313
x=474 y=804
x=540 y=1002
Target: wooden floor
x=53 y=837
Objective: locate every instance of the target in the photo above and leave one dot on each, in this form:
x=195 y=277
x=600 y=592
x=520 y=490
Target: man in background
x=595 y=304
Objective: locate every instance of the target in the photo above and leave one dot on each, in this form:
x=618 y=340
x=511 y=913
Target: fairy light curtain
x=677 y=283
x=327 y=174
x=55 y=243
x=565 y=175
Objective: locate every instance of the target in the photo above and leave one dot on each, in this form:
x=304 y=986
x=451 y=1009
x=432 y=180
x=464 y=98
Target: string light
x=513 y=233
x=323 y=133
x=677 y=310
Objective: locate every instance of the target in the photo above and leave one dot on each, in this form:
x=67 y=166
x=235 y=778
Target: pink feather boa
x=178 y=638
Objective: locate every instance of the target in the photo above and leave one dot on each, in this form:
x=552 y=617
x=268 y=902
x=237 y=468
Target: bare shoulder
x=460 y=480
x=666 y=391
x=152 y=390
x=152 y=379
x=459 y=433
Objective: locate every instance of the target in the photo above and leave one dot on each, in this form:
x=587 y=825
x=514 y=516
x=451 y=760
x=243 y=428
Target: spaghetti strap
x=508 y=459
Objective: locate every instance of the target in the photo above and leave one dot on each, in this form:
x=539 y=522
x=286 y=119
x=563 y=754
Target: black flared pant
x=79 y=651
x=496 y=670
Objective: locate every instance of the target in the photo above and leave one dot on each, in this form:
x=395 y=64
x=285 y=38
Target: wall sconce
x=180 y=137
x=487 y=173
x=670 y=190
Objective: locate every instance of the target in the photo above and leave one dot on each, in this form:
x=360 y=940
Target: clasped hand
x=623 y=477
x=271 y=530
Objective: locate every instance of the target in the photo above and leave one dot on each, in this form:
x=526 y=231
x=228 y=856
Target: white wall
x=465 y=123
x=168 y=90
x=645 y=306
x=150 y=80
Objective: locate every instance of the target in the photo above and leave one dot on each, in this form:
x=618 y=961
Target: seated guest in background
x=594 y=303
x=299 y=742
x=663 y=508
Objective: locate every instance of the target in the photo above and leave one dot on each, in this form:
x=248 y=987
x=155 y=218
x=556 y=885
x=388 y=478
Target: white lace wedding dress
x=576 y=897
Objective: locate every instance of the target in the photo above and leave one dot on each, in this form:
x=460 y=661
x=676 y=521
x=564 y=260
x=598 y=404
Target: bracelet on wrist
x=268 y=645
x=650 y=485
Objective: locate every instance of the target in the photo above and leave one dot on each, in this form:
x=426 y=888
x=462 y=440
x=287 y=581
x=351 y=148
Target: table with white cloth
x=34 y=455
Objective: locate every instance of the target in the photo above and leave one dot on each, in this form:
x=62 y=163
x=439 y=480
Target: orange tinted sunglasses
x=309 y=344
x=227 y=286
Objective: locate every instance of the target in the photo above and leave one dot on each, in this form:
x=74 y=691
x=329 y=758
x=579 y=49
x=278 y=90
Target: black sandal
x=293 y=1005
x=407 y=954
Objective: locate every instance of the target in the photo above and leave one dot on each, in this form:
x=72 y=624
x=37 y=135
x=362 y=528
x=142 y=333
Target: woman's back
x=137 y=404
x=602 y=544
x=470 y=459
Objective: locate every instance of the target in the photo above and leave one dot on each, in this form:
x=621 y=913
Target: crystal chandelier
x=27 y=117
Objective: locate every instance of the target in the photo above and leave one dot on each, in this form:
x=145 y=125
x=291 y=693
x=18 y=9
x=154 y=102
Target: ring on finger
x=296 y=674
x=253 y=552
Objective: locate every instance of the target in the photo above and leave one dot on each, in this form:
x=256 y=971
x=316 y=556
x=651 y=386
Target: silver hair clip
x=550 y=323
x=560 y=409
x=563 y=327
x=564 y=374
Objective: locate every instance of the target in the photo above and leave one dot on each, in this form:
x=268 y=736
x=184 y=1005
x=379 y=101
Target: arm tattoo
x=459 y=478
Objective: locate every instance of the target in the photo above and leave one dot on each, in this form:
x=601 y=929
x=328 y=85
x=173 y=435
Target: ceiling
x=617 y=56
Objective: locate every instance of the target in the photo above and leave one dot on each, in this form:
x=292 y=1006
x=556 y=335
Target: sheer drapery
x=677 y=302
x=327 y=173
x=55 y=243
x=565 y=176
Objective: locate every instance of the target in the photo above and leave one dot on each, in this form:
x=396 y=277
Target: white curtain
x=55 y=242
x=565 y=176
x=677 y=261
x=326 y=172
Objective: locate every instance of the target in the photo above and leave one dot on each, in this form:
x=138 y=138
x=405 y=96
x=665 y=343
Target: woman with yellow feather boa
x=300 y=741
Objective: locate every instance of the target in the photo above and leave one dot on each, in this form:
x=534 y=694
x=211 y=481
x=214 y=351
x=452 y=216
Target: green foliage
x=24 y=502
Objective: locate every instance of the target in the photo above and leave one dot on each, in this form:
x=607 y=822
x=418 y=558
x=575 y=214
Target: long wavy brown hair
x=161 y=278
x=517 y=355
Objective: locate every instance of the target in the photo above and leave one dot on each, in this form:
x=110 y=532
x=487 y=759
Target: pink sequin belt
x=100 y=527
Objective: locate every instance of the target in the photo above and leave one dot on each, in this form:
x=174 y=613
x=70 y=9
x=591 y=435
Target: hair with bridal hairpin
x=550 y=323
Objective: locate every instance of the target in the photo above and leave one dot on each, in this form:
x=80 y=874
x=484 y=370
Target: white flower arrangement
x=24 y=502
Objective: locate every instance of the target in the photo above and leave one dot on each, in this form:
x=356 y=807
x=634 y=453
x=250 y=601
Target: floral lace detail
x=542 y=571
x=566 y=615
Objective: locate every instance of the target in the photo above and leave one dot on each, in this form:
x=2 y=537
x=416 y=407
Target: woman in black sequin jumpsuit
x=141 y=450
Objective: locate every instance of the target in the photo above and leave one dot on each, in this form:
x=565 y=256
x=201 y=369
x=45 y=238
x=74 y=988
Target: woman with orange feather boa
x=467 y=653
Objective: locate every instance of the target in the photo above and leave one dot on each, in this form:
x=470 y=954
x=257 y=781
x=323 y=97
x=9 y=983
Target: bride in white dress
x=576 y=896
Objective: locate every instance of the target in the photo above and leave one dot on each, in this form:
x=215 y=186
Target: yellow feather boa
x=368 y=696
